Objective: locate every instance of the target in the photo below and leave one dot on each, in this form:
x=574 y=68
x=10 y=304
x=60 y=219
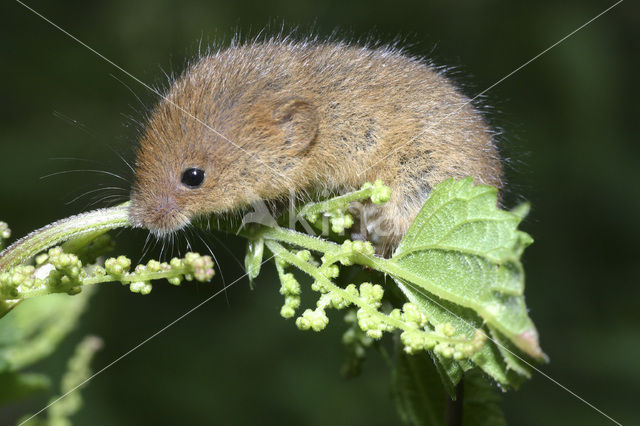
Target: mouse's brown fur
x=298 y=117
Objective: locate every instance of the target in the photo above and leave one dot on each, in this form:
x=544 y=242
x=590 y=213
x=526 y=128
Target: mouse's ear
x=298 y=120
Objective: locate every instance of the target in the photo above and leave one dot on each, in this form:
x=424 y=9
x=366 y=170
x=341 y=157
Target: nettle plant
x=451 y=297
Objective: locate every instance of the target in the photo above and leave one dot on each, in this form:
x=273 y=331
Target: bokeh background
x=570 y=126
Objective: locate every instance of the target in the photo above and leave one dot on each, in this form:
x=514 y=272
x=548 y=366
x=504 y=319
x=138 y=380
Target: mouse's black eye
x=192 y=177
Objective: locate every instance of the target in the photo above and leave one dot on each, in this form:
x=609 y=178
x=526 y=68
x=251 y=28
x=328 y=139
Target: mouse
x=282 y=120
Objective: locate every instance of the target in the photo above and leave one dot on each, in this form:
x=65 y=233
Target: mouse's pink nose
x=166 y=206
x=159 y=214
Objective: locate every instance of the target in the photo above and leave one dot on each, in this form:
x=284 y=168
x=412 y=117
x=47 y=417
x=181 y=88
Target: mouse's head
x=202 y=154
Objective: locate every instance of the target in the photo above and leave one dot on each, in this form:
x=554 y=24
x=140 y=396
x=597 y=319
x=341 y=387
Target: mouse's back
x=276 y=119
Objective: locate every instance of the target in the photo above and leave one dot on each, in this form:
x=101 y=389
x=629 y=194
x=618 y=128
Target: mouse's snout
x=159 y=214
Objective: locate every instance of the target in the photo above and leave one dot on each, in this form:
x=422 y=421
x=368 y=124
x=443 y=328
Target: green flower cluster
x=367 y=298
x=380 y=193
x=351 y=251
x=339 y=218
x=354 y=338
x=442 y=340
x=336 y=209
x=368 y=321
x=59 y=272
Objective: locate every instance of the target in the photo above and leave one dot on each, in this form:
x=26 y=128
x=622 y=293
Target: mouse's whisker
x=121 y=157
x=135 y=95
x=215 y=259
x=73 y=159
x=145 y=247
x=106 y=198
x=84 y=194
x=225 y=248
x=186 y=238
x=105 y=172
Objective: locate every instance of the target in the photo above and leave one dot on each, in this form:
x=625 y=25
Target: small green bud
x=289 y=285
x=153 y=265
x=444 y=349
x=446 y=329
x=463 y=350
x=124 y=262
x=287 y=312
x=338 y=302
x=305 y=255
x=340 y=221
x=413 y=315
x=117 y=267
x=317 y=320
x=347 y=246
x=479 y=337
x=55 y=251
x=374 y=334
x=303 y=323
x=204 y=274
x=347 y=249
x=98 y=271
x=175 y=280
x=429 y=342
x=332 y=271
x=141 y=287
x=201 y=267
x=368 y=322
x=352 y=290
x=372 y=294
x=292 y=302
x=413 y=341
x=381 y=193
x=5 y=232
x=396 y=314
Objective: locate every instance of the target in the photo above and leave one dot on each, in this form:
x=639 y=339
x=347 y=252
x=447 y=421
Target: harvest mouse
x=270 y=120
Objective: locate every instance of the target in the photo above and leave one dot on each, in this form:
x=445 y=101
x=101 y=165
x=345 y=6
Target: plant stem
x=336 y=202
x=94 y=222
x=299 y=239
x=125 y=279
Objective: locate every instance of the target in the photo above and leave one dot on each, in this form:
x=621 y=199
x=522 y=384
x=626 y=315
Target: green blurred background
x=569 y=123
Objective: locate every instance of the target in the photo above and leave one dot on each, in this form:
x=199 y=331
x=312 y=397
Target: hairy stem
x=336 y=202
x=92 y=223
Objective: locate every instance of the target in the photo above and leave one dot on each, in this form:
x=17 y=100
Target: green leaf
x=62 y=407
x=422 y=400
x=450 y=373
x=464 y=249
x=34 y=328
x=489 y=358
x=417 y=389
x=509 y=352
x=481 y=405
x=14 y=386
